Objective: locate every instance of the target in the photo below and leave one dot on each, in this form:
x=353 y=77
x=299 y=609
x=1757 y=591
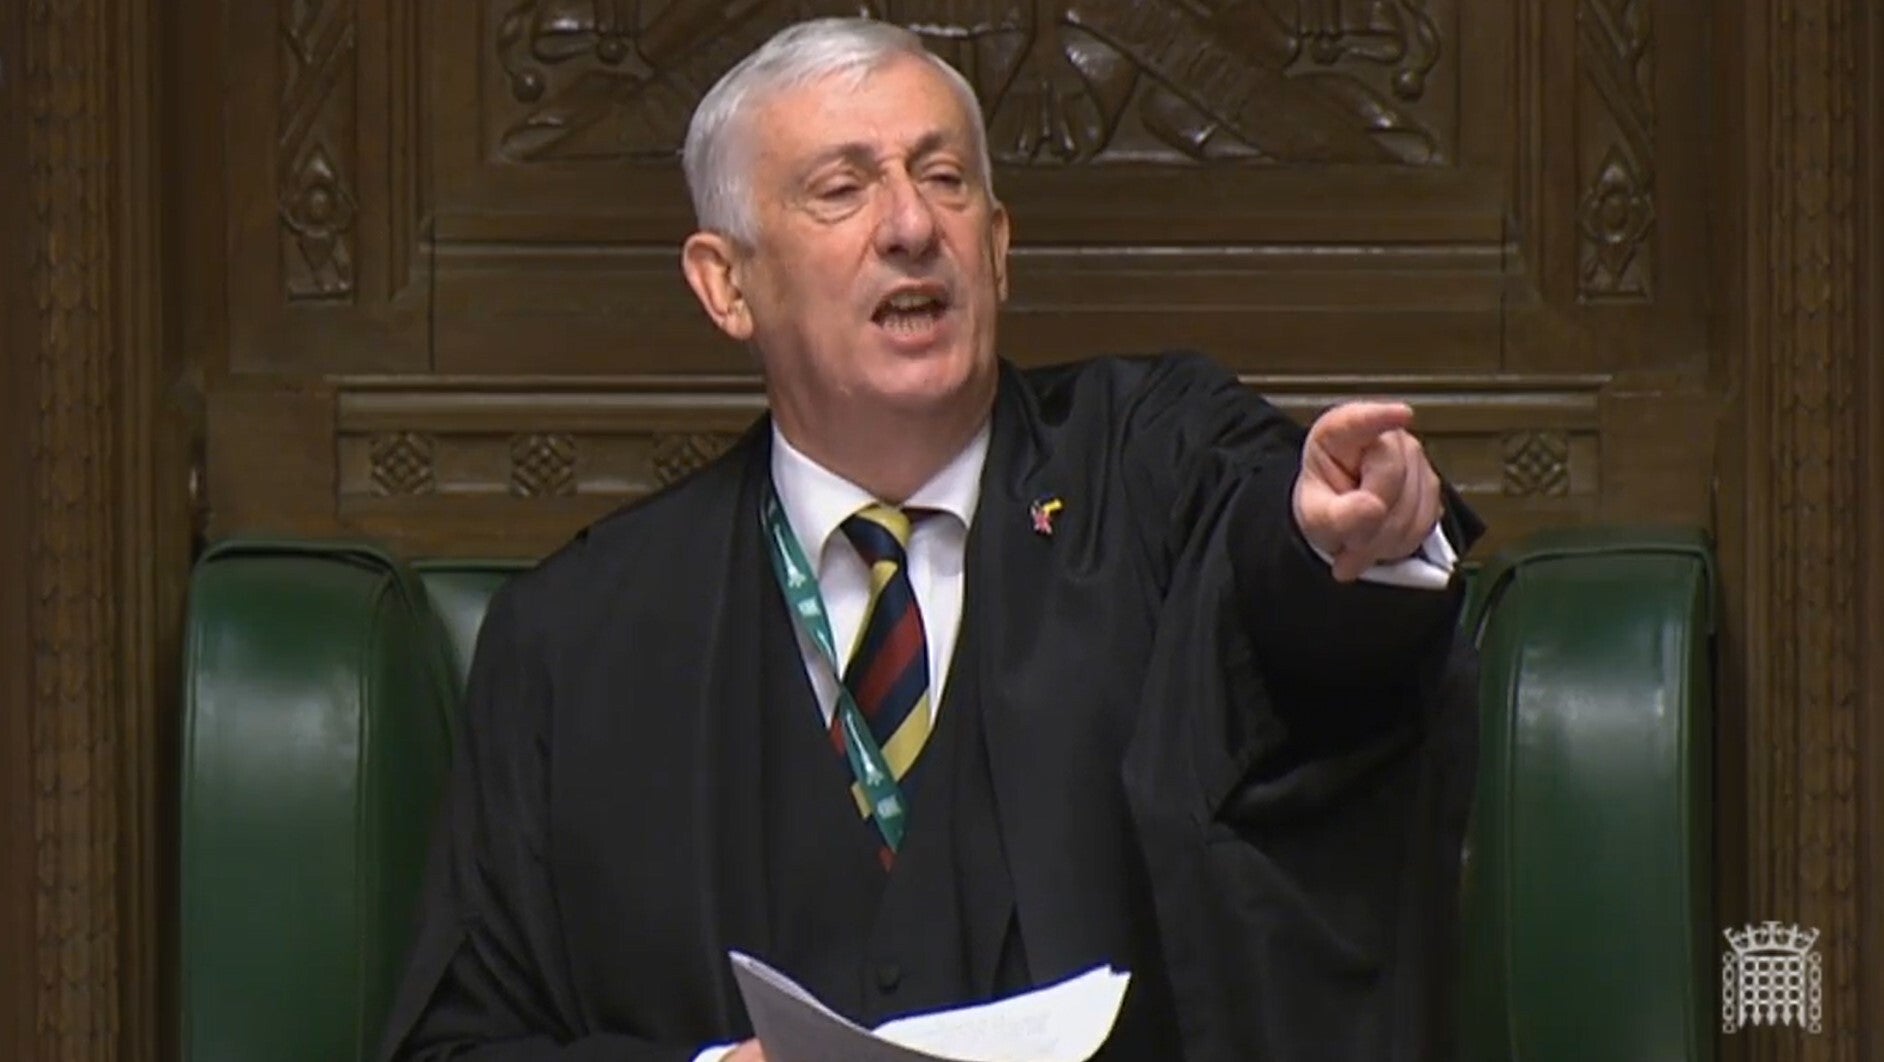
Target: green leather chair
x=321 y=679
x=316 y=739
x=1588 y=926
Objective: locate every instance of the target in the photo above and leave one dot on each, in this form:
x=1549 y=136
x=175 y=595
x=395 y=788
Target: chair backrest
x=320 y=683
x=460 y=591
x=317 y=708
x=1588 y=925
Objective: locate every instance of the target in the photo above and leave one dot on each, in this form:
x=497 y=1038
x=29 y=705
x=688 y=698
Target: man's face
x=880 y=259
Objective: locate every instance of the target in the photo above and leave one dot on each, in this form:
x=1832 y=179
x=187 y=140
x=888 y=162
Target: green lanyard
x=799 y=583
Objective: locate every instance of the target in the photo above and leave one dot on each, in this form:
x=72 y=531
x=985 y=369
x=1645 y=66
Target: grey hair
x=717 y=168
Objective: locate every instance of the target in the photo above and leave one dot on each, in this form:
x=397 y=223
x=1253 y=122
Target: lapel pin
x=1042 y=513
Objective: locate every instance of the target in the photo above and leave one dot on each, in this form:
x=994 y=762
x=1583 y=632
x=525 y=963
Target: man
x=1131 y=671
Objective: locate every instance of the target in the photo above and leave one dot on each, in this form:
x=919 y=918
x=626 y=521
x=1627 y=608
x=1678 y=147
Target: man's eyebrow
x=931 y=142
x=861 y=155
x=856 y=153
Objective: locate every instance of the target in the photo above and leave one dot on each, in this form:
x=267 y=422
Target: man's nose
x=907 y=227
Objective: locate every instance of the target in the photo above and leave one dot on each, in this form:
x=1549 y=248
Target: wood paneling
x=1092 y=81
x=1409 y=306
x=1394 y=189
x=19 y=967
x=77 y=743
x=1611 y=186
x=325 y=192
x=1799 y=543
x=513 y=464
x=102 y=579
x=1544 y=171
x=1869 y=116
x=1197 y=162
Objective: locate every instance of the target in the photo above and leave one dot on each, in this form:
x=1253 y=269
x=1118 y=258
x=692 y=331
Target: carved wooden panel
x=490 y=186
x=1802 y=531
x=478 y=465
x=1616 y=149
x=1612 y=185
x=326 y=198
x=103 y=574
x=1418 y=190
x=625 y=463
x=1061 y=83
x=19 y=400
x=317 y=163
x=1279 y=128
x=76 y=736
x=19 y=935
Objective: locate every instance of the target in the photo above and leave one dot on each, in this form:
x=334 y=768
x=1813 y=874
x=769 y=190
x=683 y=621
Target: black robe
x=1209 y=760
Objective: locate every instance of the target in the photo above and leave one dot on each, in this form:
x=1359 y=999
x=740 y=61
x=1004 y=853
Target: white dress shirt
x=816 y=501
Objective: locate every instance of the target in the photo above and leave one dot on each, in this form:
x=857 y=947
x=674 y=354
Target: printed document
x=1064 y=1022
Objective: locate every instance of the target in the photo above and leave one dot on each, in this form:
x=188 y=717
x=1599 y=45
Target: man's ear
x=709 y=259
x=1002 y=229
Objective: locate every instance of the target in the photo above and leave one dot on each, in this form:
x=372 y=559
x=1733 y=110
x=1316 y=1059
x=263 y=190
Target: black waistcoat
x=937 y=930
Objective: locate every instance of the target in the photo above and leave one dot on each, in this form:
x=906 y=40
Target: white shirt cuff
x=714 y=1053
x=1429 y=569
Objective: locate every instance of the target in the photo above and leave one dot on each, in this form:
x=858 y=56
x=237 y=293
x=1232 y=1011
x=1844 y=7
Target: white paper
x=1065 y=1022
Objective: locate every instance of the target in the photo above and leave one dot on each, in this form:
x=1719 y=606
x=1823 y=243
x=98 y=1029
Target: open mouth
x=912 y=312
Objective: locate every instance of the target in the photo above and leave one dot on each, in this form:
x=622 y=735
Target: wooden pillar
x=18 y=358
x=1800 y=483
x=95 y=543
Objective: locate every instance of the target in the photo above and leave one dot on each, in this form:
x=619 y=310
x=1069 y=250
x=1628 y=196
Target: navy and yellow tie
x=888 y=673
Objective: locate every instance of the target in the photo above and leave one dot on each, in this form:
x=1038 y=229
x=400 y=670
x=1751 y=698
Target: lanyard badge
x=882 y=798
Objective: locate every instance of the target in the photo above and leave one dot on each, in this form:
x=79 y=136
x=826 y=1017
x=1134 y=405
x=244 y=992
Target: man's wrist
x=1429 y=568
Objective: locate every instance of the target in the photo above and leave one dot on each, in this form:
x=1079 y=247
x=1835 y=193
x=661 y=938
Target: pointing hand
x=1366 y=493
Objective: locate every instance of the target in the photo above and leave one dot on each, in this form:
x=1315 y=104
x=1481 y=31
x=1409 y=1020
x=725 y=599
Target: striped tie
x=888 y=673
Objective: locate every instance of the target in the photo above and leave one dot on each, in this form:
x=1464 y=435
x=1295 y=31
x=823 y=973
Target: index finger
x=1347 y=429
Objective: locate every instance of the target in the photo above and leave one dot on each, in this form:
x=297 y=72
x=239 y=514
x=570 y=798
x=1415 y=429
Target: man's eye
x=837 y=193
x=947 y=179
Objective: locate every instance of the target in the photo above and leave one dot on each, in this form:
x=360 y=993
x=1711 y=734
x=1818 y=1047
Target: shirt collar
x=816 y=500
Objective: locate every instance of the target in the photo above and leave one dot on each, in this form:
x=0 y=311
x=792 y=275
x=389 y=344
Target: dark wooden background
x=1497 y=210
x=407 y=270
